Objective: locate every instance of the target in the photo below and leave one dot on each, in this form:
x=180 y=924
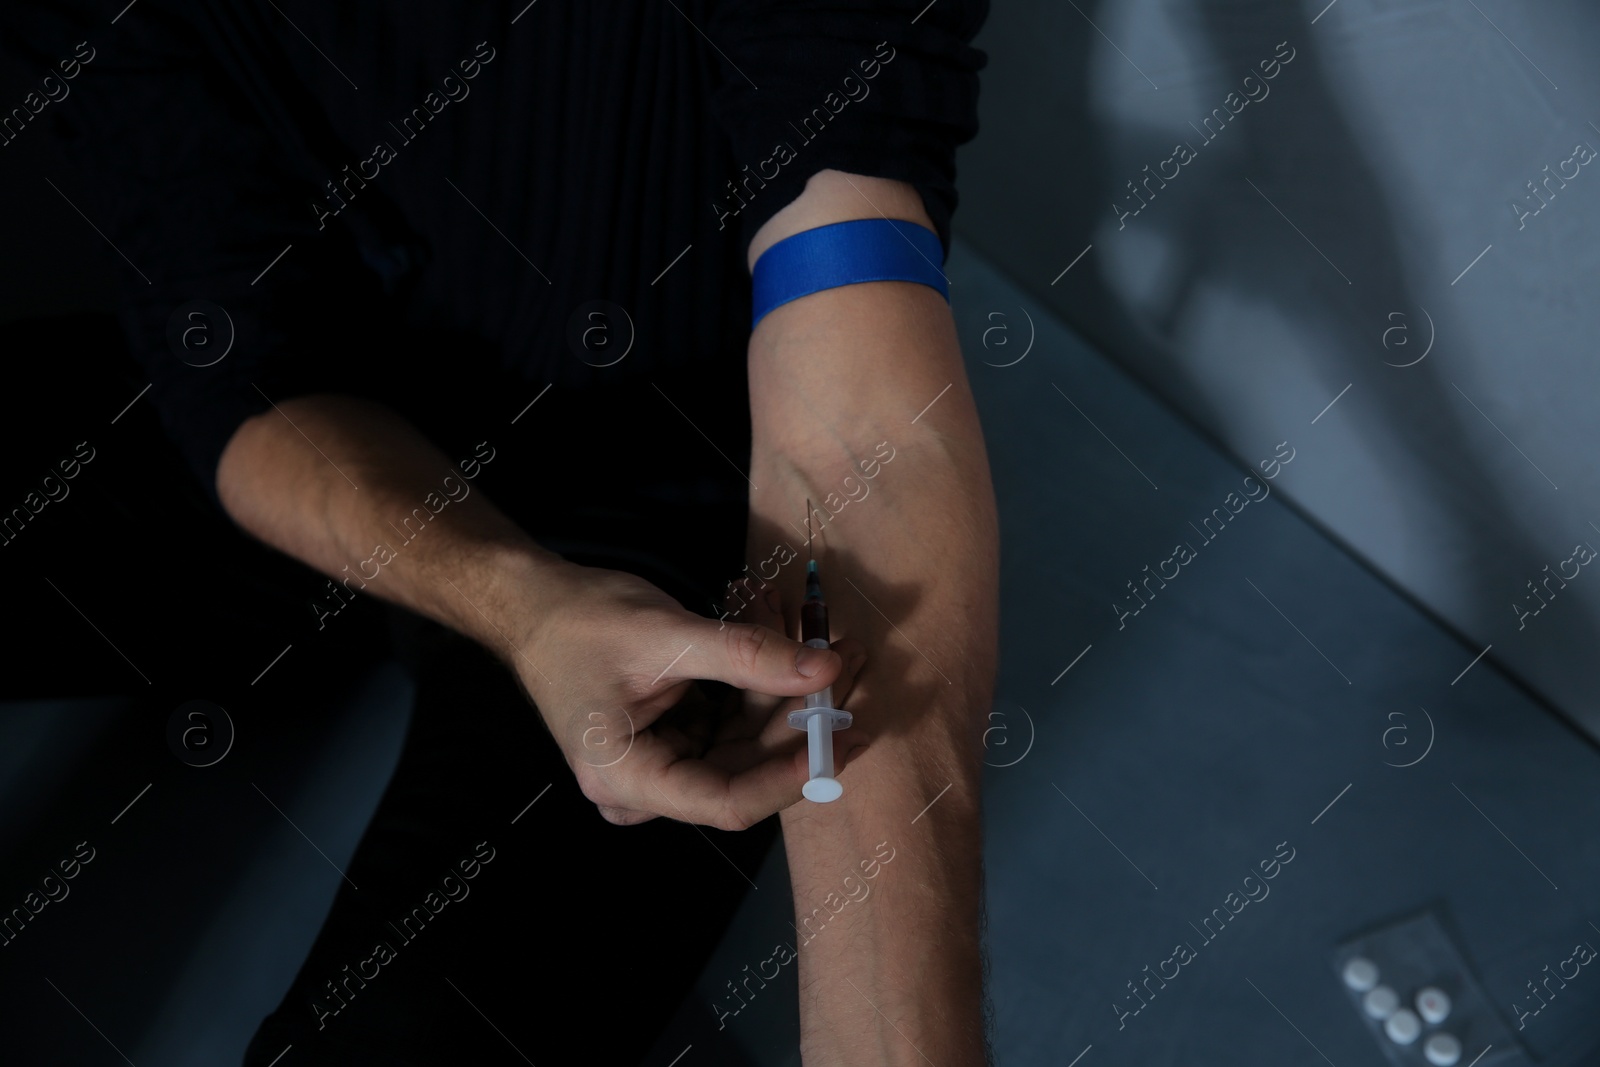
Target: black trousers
x=557 y=939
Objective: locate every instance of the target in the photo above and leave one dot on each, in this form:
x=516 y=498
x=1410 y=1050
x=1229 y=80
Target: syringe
x=819 y=718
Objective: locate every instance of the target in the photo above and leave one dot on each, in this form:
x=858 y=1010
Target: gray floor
x=260 y=935
x=201 y=900
x=1272 y=677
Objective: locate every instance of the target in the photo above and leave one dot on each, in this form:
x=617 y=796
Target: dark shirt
x=448 y=207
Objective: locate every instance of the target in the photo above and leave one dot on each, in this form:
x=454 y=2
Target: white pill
x=1381 y=1002
x=1442 y=1050
x=1403 y=1027
x=1360 y=974
x=1433 y=1004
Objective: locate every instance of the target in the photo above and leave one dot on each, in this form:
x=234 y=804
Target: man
x=411 y=218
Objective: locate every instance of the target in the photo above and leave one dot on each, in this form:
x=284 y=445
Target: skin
x=898 y=978
x=603 y=654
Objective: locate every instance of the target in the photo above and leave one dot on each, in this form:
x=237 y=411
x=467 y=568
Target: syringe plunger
x=819 y=718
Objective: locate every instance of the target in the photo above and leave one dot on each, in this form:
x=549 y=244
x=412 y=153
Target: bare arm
x=328 y=479
x=910 y=563
x=334 y=481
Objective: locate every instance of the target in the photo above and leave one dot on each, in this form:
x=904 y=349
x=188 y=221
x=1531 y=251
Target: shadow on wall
x=1207 y=238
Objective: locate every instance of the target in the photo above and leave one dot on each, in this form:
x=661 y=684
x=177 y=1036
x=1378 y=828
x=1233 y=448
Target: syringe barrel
x=814 y=623
x=819 y=745
x=822 y=698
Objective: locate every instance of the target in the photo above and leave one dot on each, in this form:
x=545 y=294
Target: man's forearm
x=890 y=961
x=887 y=880
x=351 y=489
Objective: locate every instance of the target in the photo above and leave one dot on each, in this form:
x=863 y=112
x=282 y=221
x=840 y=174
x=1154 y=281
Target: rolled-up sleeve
x=888 y=89
x=217 y=248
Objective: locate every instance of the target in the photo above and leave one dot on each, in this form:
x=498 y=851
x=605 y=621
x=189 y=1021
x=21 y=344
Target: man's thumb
x=755 y=657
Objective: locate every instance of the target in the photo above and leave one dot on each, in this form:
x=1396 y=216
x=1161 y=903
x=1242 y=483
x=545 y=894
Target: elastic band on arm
x=844 y=253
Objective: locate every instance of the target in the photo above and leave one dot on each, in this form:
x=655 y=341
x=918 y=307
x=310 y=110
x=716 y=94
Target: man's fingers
x=773 y=715
x=755 y=657
x=690 y=724
x=696 y=791
x=653 y=779
x=624 y=816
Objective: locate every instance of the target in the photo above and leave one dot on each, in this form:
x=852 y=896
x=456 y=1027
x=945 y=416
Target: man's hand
x=610 y=660
x=612 y=664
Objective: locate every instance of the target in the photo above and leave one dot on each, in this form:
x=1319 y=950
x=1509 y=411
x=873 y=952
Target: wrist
x=923 y=1010
x=518 y=583
x=895 y=858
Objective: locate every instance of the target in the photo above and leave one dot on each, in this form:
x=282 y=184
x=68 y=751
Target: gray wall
x=1390 y=147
